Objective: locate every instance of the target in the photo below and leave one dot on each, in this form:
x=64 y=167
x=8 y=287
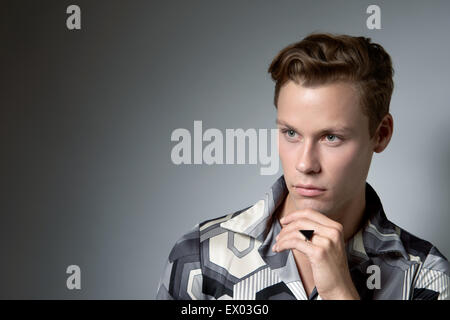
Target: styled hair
x=324 y=58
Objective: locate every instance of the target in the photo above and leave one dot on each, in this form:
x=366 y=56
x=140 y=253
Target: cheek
x=346 y=162
x=286 y=151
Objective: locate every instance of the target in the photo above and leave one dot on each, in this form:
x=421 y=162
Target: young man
x=321 y=231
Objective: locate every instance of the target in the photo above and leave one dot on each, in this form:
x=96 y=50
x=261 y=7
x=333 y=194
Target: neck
x=350 y=215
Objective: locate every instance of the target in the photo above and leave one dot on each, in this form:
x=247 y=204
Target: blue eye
x=334 y=139
x=291 y=135
x=291 y=131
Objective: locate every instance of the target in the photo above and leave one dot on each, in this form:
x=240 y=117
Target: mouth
x=308 y=190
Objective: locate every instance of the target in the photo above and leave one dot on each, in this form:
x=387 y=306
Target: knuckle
x=319 y=254
x=328 y=243
x=335 y=235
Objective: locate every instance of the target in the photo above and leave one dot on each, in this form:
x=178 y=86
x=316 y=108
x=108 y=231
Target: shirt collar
x=376 y=236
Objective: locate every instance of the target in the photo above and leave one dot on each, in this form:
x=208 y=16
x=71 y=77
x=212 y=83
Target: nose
x=307 y=160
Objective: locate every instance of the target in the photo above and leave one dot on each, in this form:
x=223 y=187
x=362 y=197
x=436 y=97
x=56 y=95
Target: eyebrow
x=342 y=129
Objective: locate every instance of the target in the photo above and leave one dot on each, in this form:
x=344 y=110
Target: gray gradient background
x=86 y=120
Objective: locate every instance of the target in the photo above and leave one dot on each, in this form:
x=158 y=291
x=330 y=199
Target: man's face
x=314 y=149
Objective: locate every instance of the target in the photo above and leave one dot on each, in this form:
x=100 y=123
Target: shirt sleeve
x=182 y=277
x=433 y=278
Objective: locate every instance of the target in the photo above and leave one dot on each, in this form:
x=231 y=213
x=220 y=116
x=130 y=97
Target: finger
x=312 y=215
x=294 y=234
x=307 y=213
x=304 y=224
x=315 y=250
x=294 y=241
x=316 y=239
x=332 y=234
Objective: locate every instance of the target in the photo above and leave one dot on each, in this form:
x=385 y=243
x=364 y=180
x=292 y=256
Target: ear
x=384 y=133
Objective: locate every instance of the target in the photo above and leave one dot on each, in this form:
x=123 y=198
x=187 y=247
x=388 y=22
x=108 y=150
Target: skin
x=333 y=160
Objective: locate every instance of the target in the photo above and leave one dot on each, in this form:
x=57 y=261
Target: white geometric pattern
x=220 y=254
x=194 y=282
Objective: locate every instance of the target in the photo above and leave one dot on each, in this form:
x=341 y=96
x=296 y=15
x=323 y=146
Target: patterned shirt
x=230 y=257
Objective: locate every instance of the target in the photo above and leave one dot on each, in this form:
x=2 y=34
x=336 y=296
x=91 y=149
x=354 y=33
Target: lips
x=308 y=186
x=308 y=190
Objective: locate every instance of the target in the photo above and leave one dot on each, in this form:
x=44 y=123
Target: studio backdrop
x=96 y=94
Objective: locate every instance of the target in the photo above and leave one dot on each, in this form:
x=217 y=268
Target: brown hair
x=323 y=58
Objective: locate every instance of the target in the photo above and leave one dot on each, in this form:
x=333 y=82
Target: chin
x=312 y=203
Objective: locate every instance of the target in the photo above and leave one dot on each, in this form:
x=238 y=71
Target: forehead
x=335 y=104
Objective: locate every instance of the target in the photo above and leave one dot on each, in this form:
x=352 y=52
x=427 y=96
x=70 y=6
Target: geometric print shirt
x=231 y=257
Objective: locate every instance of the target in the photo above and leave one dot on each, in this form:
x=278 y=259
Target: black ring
x=308 y=234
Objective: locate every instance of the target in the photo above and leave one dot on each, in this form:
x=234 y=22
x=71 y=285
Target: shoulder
x=189 y=243
x=431 y=271
x=387 y=237
x=186 y=245
x=180 y=278
x=413 y=267
x=424 y=252
x=191 y=270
